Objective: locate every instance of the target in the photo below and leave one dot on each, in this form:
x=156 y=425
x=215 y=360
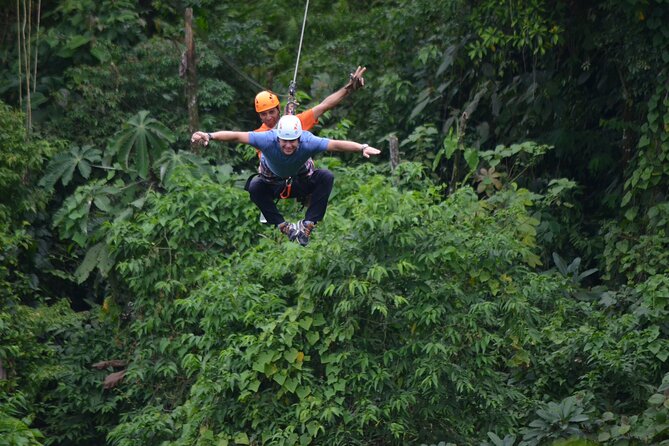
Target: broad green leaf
x=90 y=262
x=472 y=158
x=103 y=203
x=319 y=320
x=280 y=377
x=303 y=392
x=290 y=355
x=450 y=144
x=241 y=438
x=254 y=385
x=631 y=213
x=656 y=399
x=419 y=108
x=306 y=322
x=141 y=155
x=76 y=41
x=290 y=384
x=313 y=337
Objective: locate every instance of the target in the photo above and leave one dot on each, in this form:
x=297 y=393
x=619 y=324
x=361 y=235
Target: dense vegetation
x=506 y=284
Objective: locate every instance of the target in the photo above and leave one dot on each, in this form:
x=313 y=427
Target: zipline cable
x=299 y=48
x=292 y=104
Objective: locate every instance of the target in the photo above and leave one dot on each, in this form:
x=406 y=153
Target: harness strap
x=285 y=193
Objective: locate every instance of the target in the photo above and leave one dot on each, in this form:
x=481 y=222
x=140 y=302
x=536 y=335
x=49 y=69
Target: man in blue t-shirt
x=285 y=172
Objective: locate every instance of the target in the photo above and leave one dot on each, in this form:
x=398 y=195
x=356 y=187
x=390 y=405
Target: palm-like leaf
x=169 y=161
x=145 y=138
x=63 y=165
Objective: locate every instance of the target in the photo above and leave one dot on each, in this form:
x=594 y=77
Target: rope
x=299 y=49
x=292 y=104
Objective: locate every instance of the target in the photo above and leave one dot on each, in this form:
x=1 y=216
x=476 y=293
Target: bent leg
x=263 y=195
x=320 y=182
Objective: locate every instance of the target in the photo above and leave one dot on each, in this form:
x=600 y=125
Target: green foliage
x=62 y=166
x=20 y=161
x=516 y=159
x=636 y=247
x=418 y=314
x=572 y=271
x=556 y=421
x=96 y=99
x=47 y=353
x=82 y=27
x=422 y=140
x=17 y=431
x=141 y=141
x=76 y=410
x=21 y=203
x=181 y=229
x=650 y=427
x=523 y=31
x=353 y=340
x=171 y=161
x=632 y=255
x=508 y=440
x=76 y=220
x=82 y=215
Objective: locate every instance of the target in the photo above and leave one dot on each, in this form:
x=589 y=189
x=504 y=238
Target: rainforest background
x=507 y=283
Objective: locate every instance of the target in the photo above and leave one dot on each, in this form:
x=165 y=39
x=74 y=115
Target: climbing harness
x=267 y=176
x=288 y=185
x=292 y=103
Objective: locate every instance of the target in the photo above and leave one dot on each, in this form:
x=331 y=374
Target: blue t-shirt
x=282 y=165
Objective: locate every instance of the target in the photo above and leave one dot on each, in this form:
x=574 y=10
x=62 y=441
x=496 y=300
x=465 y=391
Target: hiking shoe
x=304 y=228
x=290 y=229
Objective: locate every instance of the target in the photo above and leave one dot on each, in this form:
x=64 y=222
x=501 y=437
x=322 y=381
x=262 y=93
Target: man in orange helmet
x=268 y=186
x=268 y=105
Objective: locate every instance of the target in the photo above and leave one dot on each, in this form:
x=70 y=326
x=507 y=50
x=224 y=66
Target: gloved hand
x=356 y=80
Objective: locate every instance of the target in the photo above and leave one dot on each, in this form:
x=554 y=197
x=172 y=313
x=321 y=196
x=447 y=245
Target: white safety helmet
x=289 y=127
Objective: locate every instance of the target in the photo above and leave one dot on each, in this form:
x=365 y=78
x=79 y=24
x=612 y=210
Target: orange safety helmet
x=266 y=100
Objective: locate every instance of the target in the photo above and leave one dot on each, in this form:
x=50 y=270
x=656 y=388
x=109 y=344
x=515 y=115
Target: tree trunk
x=191 y=74
x=457 y=156
x=394 y=153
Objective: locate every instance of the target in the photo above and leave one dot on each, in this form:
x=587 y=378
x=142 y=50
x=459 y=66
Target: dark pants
x=319 y=185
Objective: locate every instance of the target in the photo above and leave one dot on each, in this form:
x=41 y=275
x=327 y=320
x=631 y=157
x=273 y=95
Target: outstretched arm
x=352 y=146
x=222 y=135
x=356 y=81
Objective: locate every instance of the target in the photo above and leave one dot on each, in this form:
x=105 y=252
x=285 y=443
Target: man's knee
x=257 y=188
x=325 y=177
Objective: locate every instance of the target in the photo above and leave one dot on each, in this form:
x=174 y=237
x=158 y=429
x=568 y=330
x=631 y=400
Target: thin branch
x=28 y=59
x=110 y=363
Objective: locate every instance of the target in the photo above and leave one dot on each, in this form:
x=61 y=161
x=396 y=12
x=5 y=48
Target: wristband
x=363 y=147
x=209 y=136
